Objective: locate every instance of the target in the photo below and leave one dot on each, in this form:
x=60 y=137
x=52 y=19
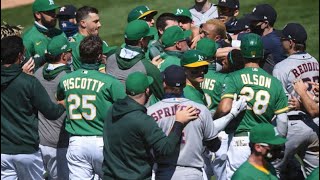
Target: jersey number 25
x=75 y=102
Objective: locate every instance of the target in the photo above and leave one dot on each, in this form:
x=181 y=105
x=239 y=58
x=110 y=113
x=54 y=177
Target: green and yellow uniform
x=265 y=96
x=249 y=171
x=314 y=175
x=194 y=94
x=36 y=40
x=75 y=41
x=171 y=58
x=88 y=94
x=212 y=87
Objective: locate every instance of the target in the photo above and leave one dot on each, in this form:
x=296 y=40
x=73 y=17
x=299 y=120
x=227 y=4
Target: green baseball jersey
x=196 y=95
x=249 y=171
x=212 y=87
x=265 y=96
x=88 y=94
x=75 y=41
x=36 y=40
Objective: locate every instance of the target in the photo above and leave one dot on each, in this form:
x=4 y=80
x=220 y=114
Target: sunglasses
x=148 y=18
x=198 y=70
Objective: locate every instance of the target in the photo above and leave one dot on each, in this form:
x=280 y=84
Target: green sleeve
x=229 y=89
x=190 y=94
x=157 y=85
x=60 y=91
x=41 y=100
x=29 y=48
x=314 y=175
x=155 y=137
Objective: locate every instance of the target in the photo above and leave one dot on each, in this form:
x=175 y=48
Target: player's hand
x=194 y=41
x=186 y=115
x=300 y=87
x=238 y=105
x=294 y=103
x=62 y=103
x=157 y=61
x=315 y=88
x=28 y=67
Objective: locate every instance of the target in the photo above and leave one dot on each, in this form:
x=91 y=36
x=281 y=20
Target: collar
x=40 y=27
x=54 y=66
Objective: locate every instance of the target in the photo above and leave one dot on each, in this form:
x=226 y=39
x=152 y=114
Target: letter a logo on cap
x=200 y=58
x=179 y=11
x=51 y=2
x=223 y=0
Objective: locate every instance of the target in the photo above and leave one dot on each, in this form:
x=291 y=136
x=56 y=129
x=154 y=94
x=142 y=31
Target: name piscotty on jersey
x=82 y=83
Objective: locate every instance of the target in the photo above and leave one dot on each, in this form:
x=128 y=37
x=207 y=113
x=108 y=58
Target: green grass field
x=113 y=15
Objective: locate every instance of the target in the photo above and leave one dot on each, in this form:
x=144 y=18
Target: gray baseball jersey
x=194 y=133
x=199 y=18
x=297 y=66
x=301 y=132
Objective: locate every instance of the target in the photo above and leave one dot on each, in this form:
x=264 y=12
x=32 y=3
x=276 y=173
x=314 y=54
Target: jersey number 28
x=261 y=102
x=75 y=102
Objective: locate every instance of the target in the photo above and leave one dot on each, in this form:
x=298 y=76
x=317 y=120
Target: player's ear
x=236 y=12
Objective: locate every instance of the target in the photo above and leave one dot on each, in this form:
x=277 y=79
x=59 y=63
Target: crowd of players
x=192 y=94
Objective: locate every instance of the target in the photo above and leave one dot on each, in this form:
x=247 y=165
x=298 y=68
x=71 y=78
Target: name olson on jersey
x=256 y=80
x=169 y=111
x=82 y=83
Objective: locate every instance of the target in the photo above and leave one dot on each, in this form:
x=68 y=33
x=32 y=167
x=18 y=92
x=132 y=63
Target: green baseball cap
x=265 y=133
x=137 y=29
x=137 y=83
x=58 y=45
x=140 y=12
x=44 y=5
x=207 y=46
x=174 y=34
x=193 y=58
x=183 y=12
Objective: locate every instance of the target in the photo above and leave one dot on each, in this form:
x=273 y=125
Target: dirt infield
x=6 y=4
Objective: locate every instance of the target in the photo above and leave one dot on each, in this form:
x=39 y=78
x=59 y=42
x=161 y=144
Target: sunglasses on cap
x=198 y=70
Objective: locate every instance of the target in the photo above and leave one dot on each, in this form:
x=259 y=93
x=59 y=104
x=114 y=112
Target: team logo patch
x=64 y=47
x=179 y=11
x=62 y=9
x=200 y=58
x=51 y=2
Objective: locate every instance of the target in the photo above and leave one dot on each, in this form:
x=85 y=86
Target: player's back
x=265 y=96
x=88 y=93
x=194 y=133
x=297 y=66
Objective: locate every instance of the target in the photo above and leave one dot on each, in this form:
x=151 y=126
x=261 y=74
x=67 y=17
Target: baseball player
x=88 y=24
x=53 y=137
x=37 y=38
x=22 y=96
x=195 y=67
x=88 y=93
x=188 y=161
x=67 y=20
x=202 y=11
x=265 y=98
x=265 y=145
x=301 y=128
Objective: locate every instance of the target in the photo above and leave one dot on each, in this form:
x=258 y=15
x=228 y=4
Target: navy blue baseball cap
x=294 y=32
x=263 y=12
x=232 y=4
x=67 y=10
x=242 y=24
x=174 y=76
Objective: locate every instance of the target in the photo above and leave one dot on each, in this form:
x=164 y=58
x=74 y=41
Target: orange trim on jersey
x=261 y=168
x=227 y=96
x=282 y=110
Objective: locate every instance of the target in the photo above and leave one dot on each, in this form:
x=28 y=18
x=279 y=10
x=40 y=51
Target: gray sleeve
x=208 y=127
x=282 y=124
x=281 y=75
x=222 y=122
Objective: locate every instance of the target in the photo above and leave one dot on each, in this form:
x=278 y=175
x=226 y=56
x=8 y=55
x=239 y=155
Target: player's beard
x=257 y=30
x=48 y=24
x=277 y=152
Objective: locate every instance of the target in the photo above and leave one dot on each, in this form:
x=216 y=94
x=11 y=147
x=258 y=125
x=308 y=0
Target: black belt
x=296 y=117
x=241 y=134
